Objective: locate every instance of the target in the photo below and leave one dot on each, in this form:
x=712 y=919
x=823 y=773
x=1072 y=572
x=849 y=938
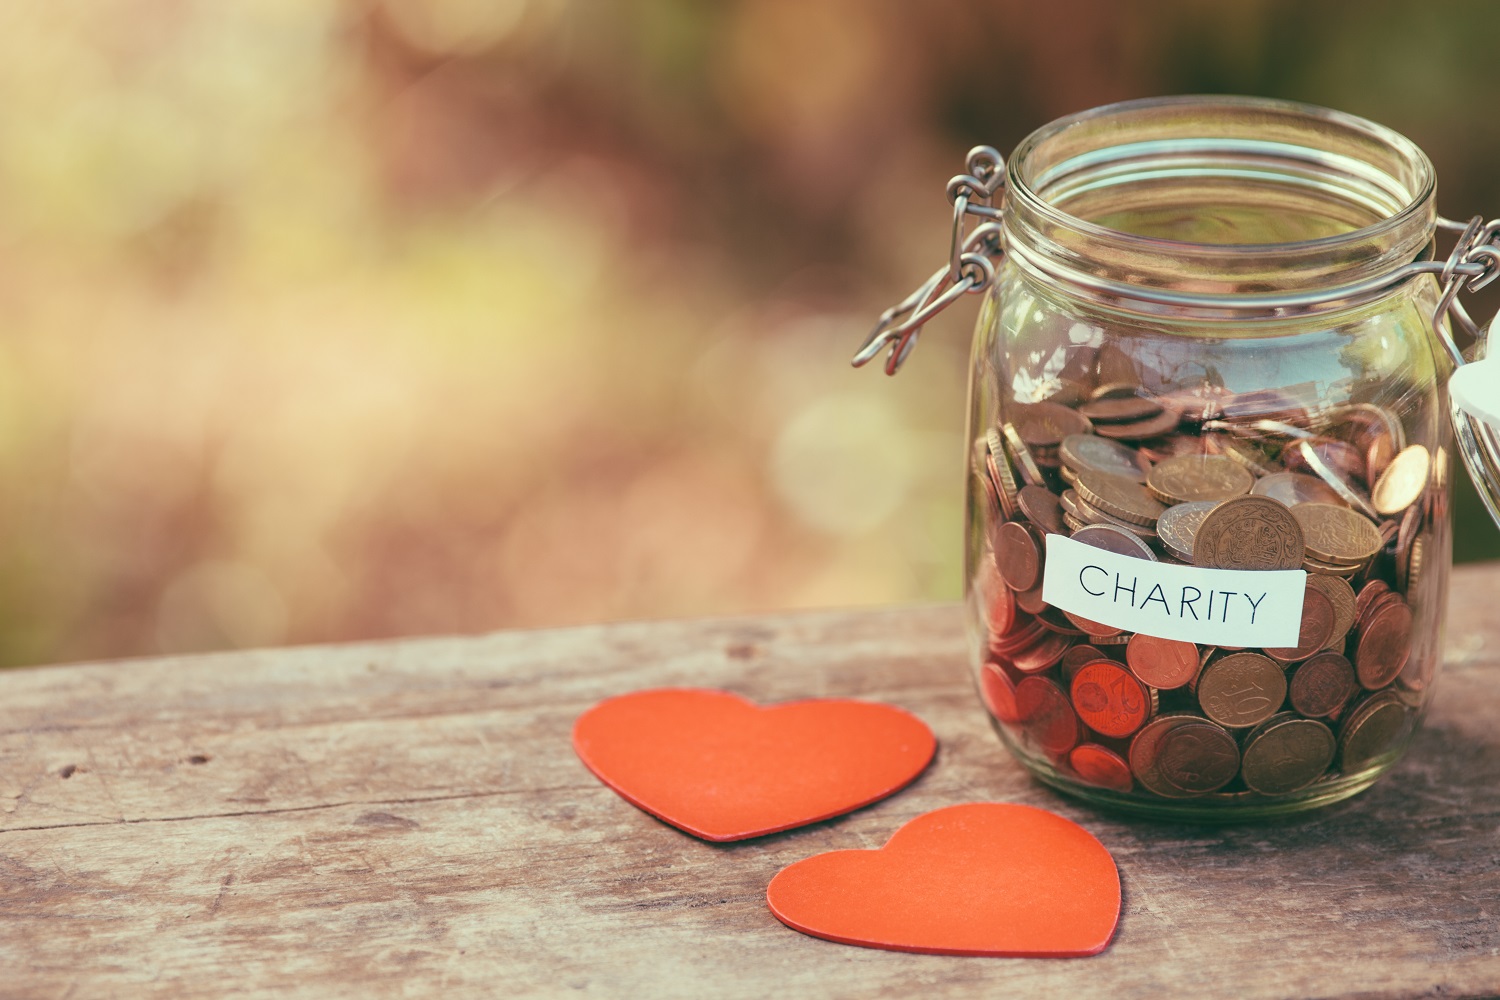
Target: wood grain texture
x=407 y=818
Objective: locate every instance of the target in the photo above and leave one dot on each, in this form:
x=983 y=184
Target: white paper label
x=1220 y=607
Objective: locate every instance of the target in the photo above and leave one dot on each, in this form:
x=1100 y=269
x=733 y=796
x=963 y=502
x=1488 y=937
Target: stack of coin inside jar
x=1249 y=481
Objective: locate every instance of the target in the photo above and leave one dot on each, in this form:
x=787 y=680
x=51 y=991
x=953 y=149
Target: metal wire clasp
x=971 y=261
x=1478 y=244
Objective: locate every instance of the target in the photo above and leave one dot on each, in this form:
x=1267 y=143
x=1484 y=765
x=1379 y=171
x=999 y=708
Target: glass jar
x=1208 y=538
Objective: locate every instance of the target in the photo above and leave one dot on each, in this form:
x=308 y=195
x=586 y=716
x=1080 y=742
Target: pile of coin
x=1254 y=481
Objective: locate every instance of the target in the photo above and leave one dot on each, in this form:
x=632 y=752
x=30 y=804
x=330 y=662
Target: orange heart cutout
x=723 y=768
x=985 y=878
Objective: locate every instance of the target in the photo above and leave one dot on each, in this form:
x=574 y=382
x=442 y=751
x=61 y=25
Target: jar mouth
x=1214 y=196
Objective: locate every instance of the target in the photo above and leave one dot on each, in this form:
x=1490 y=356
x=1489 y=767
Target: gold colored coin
x=1337 y=535
x=1127 y=500
x=1093 y=515
x=999 y=469
x=1403 y=481
x=1249 y=533
x=1187 y=478
x=1341 y=595
x=1414 y=564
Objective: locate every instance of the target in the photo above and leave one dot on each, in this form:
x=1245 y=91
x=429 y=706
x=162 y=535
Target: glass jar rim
x=1365 y=165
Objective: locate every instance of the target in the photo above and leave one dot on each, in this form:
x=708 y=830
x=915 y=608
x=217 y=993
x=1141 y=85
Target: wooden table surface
x=405 y=818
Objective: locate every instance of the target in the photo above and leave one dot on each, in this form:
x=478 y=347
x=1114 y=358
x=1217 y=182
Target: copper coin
x=1119 y=409
x=1018 y=554
x=1140 y=430
x=1317 y=626
x=1109 y=700
x=998 y=692
x=1368 y=593
x=1162 y=663
x=1077 y=657
x=1044 y=425
x=1384 y=645
x=1145 y=753
x=1359 y=423
x=1189 y=478
x=1031 y=601
x=1042 y=508
x=1027 y=631
x=1241 y=690
x=1379 y=604
x=1380 y=451
x=1101 y=766
x=1198 y=757
x=1336 y=535
x=1249 y=533
x=1046 y=715
x=1088 y=453
x=1403 y=481
x=1286 y=753
x=1042 y=654
x=1116 y=379
x=1292 y=488
x=1373 y=729
x=1001 y=646
x=1179 y=526
x=1095 y=630
x=1341 y=595
x=1322 y=685
x=1122 y=498
x=1113 y=539
x=999 y=604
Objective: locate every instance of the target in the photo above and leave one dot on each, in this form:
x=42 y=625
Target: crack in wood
x=315 y=807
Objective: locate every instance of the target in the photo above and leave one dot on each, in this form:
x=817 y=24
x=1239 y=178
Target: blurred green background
x=330 y=320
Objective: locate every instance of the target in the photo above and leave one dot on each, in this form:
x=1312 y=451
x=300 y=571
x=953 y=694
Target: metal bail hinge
x=1473 y=264
x=971 y=261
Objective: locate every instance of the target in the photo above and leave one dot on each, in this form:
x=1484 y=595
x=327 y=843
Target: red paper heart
x=980 y=879
x=722 y=768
